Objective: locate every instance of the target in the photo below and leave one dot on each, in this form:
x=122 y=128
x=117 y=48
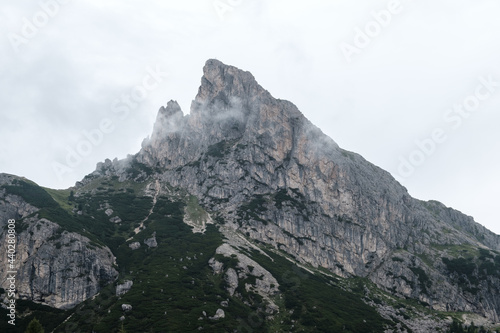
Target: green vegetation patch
x=194 y=211
x=32 y=194
x=49 y=208
x=220 y=149
x=136 y=168
x=61 y=197
x=473 y=267
x=173 y=283
x=316 y=303
x=254 y=208
x=294 y=199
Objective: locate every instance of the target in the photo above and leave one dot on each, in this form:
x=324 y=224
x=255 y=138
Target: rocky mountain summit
x=271 y=174
x=277 y=212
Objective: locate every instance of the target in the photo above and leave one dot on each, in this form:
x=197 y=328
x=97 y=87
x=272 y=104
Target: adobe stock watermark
x=455 y=117
x=120 y=109
x=30 y=27
x=11 y=251
x=372 y=29
x=222 y=7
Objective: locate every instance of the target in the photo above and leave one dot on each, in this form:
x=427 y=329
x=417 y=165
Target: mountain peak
x=232 y=107
x=264 y=174
x=213 y=64
x=172 y=107
x=215 y=69
x=221 y=82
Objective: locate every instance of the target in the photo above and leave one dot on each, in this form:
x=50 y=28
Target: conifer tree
x=34 y=327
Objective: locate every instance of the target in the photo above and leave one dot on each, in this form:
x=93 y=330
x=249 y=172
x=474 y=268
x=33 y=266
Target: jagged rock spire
x=221 y=81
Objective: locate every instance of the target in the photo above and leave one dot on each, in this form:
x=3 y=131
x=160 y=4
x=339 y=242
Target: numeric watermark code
x=11 y=271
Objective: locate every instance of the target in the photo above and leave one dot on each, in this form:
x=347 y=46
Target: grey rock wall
x=54 y=267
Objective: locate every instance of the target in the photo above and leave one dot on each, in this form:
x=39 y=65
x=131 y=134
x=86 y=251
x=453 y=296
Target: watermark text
x=11 y=271
x=31 y=27
x=453 y=116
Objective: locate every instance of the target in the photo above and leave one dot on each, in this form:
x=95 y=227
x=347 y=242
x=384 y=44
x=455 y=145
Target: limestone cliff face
x=258 y=163
x=54 y=267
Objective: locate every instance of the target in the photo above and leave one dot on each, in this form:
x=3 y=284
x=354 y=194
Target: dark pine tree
x=34 y=327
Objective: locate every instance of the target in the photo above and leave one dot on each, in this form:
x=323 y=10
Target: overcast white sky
x=376 y=76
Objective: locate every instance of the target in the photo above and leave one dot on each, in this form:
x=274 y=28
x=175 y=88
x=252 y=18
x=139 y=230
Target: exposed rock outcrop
x=151 y=242
x=124 y=287
x=134 y=245
x=54 y=267
x=126 y=307
x=219 y=314
x=265 y=283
